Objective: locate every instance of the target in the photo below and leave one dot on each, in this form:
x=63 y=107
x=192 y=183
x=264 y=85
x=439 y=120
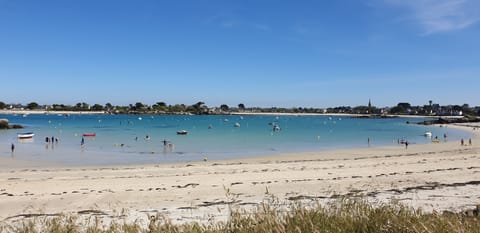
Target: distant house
x=16 y=107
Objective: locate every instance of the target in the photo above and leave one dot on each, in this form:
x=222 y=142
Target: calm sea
x=138 y=139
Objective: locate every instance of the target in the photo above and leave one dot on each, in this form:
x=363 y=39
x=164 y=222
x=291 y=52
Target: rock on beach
x=4 y=125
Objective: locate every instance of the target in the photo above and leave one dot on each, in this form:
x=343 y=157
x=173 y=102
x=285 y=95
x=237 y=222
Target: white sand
x=444 y=176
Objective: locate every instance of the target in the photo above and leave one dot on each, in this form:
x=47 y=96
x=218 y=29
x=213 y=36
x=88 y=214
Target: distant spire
x=369 y=103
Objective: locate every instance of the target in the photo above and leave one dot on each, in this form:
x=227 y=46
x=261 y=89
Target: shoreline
x=28 y=112
x=430 y=176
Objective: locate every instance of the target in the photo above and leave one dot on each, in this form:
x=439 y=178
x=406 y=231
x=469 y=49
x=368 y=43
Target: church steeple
x=370 y=110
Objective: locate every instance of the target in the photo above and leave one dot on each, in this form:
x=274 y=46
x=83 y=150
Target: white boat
x=427 y=134
x=237 y=124
x=182 y=132
x=28 y=135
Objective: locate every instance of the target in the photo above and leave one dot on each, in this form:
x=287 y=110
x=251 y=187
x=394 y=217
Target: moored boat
x=89 y=134
x=276 y=128
x=182 y=132
x=25 y=135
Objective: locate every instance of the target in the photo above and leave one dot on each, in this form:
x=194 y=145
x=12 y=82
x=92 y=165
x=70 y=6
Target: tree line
x=200 y=108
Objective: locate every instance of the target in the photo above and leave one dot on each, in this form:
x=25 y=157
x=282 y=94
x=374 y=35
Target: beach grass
x=346 y=215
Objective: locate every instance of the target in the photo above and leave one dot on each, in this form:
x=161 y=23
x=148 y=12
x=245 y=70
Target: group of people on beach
x=51 y=140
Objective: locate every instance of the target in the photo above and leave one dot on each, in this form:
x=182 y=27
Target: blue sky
x=257 y=52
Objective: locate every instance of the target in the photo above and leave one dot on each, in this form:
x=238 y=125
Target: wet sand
x=438 y=176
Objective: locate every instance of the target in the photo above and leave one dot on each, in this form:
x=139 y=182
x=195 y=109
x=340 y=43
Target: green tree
x=161 y=104
x=224 y=107
x=97 y=107
x=401 y=108
x=108 y=107
x=241 y=107
x=178 y=108
x=404 y=105
x=59 y=107
x=198 y=108
x=139 y=106
x=32 y=105
x=2 y=105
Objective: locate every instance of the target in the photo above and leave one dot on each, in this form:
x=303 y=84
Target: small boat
x=427 y=134
x=276 y=128
x=182 y=132
x=25 y=135
x=237 y=124
x=89 y=134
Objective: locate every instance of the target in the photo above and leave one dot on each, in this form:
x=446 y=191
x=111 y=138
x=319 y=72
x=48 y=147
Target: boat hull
x=25 y=135
x=182 y=132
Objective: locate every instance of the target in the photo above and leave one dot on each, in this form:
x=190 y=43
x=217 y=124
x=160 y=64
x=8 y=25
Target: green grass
x=349 y=215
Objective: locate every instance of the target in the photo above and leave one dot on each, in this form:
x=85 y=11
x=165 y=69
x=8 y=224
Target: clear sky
x=265 y=53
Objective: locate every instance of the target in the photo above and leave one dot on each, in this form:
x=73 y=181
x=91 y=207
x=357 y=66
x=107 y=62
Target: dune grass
x=348 y=215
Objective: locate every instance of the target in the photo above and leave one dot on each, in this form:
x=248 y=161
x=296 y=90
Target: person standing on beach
x=461 y=142
x=82 y=143
x=368 y=141
x=12 y=147
x=406 y=144
x=469 y=141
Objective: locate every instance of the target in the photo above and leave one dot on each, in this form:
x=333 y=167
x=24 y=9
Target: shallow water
x=122 y=139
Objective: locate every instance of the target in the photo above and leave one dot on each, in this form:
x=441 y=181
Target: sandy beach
x=438 y=176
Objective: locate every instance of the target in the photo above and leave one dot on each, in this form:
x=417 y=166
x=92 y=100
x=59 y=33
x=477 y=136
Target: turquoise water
x=121 y=139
